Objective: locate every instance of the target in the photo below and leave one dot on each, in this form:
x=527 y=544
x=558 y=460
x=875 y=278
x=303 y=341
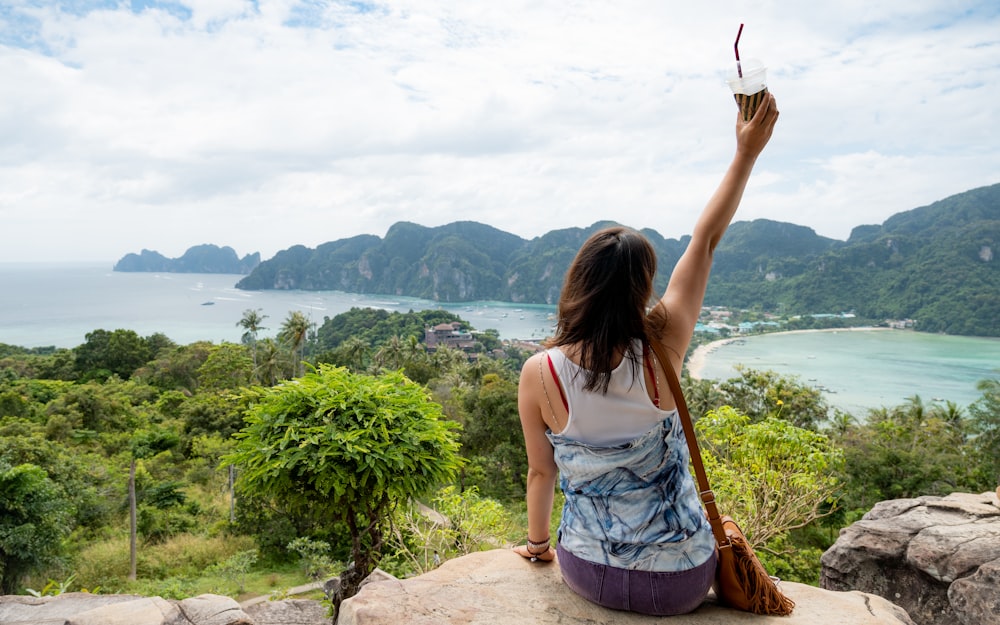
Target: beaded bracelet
x=533 y=547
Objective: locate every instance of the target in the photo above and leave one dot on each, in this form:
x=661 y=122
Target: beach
x=859 y=369
x=696 y=363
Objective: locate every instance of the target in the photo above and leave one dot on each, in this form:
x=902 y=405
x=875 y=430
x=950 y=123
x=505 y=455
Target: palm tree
x=702 y=395
x=356 y=353
x=390 y=355
x=270 y=368
x=842 y=422
x=251 y=322
x=952 y=414
x=413 y=351
x=294 y=332
x=450 y=359
x=984 y=424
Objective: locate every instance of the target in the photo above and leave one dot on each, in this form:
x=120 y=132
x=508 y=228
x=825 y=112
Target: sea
x=858 y=370
x=50 y=304
x=45 y=305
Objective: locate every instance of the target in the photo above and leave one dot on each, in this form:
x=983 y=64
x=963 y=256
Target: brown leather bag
x=741 y=582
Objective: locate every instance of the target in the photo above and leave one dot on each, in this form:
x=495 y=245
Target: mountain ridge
x=936 y=264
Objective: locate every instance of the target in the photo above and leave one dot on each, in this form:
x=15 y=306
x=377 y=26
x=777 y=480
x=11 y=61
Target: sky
x=265 y=124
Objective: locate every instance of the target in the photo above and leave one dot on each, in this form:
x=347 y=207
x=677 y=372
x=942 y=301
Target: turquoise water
x=42 y=305
x=858 y=370
x=48 y=304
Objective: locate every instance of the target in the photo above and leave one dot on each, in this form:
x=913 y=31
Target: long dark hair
x=602 y=307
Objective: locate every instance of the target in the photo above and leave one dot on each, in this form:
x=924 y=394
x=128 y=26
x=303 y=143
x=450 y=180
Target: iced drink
x=750 y=88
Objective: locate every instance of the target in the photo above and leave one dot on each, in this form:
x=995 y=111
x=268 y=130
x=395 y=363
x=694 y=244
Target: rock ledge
x=500 y=588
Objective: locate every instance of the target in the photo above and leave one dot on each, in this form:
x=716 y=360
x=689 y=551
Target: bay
x=45 y=305
x=858 y=370
x=58 y=304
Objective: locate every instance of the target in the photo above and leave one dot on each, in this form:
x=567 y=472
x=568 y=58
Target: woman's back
x=622 y=413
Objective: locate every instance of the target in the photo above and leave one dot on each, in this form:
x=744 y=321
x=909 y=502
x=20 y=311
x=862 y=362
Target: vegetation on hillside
x=937 y=265
x=351 y=441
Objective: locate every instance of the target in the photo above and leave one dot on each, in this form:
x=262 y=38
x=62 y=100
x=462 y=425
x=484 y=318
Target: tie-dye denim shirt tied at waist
x=634 y=505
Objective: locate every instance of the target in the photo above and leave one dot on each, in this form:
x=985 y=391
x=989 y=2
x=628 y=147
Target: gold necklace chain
x=545 y=390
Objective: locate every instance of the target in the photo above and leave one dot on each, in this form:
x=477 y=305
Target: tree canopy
x=772 y=476
x=34 y=519
x=338 y=445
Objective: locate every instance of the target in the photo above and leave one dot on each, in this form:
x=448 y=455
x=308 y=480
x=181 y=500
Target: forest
x=134 y=464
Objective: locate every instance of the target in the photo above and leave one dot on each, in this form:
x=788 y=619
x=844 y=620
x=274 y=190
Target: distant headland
x=198 y=259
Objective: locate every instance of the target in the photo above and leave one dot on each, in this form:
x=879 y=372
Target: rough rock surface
x=937 y=557
x=500 y=588
x=288 y=612
x=78 y=608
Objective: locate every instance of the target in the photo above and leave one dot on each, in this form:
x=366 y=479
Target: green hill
x=935 y=264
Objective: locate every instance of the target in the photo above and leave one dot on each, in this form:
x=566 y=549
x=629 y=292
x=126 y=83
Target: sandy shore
x=696 y=362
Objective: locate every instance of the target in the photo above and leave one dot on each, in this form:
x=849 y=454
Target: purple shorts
x=646 y=592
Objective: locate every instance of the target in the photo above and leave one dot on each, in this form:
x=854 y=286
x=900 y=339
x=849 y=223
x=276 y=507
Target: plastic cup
x=749 y=89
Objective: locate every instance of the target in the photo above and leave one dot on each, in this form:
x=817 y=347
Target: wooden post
x=132 y=524
x=232 y=494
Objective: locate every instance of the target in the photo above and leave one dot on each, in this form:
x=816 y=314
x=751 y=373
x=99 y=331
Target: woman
x=595 y=408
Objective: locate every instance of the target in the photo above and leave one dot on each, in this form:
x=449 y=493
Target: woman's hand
x=752 y=136
x=546 y=556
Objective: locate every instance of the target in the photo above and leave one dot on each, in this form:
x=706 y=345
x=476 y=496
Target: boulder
x=151 y=610
x=79 y=608
x=937 y=557
x=28 y=610
x=499 y=587
x=209 y=610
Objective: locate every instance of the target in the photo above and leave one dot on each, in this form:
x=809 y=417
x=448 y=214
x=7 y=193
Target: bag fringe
x=761 y=589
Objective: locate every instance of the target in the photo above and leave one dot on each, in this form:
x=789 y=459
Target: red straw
x=736 y=47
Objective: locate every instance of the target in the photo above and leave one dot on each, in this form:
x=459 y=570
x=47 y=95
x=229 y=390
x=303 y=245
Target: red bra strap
x=652 y=374
x=555 y=377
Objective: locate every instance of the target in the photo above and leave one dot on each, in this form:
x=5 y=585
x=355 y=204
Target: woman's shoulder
x=535 y=361
x=532 y=361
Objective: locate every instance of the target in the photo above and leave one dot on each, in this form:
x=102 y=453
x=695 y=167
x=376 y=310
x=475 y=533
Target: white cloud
x=264 y=125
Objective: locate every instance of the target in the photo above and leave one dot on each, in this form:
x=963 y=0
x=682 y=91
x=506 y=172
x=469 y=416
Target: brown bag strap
x=705 y=490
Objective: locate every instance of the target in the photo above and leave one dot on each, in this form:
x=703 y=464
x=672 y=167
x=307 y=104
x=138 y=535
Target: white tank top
x=622 y=414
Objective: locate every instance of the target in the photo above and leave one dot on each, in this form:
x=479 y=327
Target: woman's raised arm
x=686 y=290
